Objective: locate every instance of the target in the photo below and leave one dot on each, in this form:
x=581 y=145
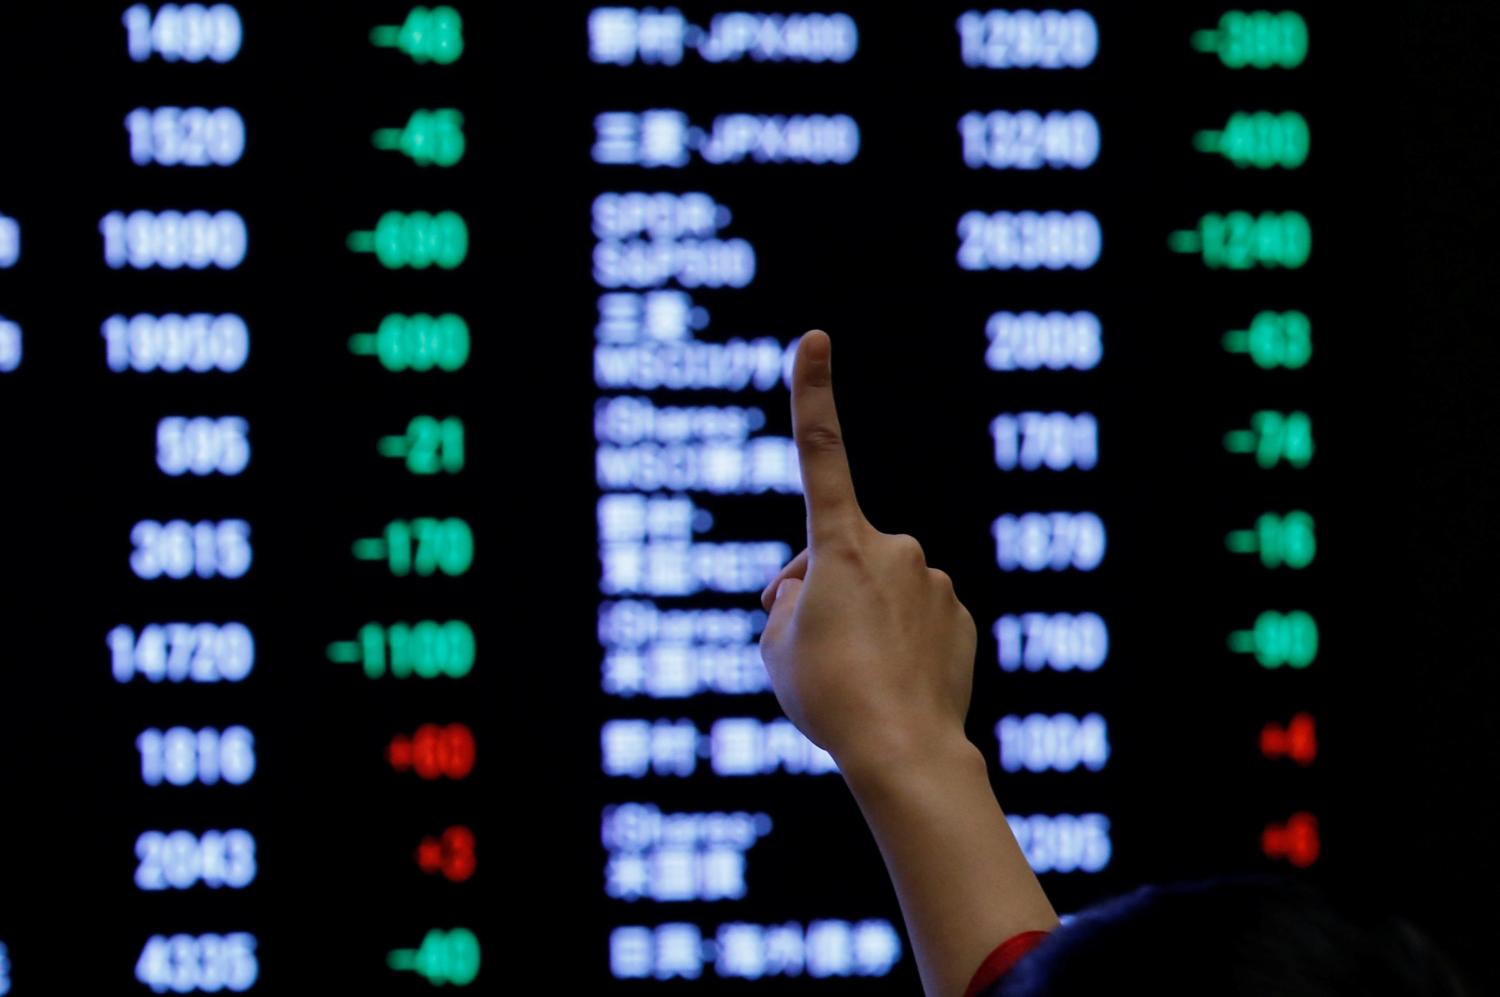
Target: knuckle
x=842 y=547
x=908 y=547
x=821 y=438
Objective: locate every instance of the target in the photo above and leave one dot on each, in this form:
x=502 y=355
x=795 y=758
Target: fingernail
x=818 y=349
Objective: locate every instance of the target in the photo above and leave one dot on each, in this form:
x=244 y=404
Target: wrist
x=893 y=762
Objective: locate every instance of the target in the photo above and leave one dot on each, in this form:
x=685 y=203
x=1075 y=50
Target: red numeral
x=1297 y=740
x=1296 y=840
x=451 y=854
x=434 y=751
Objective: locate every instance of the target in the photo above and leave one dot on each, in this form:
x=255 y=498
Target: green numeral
x=1282 y=541
x=428 y=446
x=427 y=35
x=1260 y=139
x=1274 y=339
x=444 y=957
x=429 y=138
x=1241 y=241
x=417 y=342
x=415 y=239
x=423 y=546
x=1274 y=437
x=426 y=649
x=1257 y=39
x=1279 y=639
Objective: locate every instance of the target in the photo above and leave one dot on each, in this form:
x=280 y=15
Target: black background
x=1400 y=194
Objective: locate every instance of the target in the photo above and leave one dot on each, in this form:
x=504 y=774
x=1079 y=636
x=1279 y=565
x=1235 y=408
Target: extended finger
x=826 y=483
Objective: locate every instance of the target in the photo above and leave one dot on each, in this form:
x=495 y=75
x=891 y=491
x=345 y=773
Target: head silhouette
x=1242 y=936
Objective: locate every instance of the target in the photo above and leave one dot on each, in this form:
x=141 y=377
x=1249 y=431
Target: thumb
x=784 y=602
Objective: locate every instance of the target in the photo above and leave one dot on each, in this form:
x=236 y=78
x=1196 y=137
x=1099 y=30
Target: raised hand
x=872 y=657
x=868 y=649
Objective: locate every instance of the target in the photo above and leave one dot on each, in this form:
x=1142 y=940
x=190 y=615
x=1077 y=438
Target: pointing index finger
x=826 y=483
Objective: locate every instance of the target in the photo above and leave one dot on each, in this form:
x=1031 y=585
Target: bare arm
x=871 y=655
x=963 y=883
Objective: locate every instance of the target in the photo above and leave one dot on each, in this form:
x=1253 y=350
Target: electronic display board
x=400 y=444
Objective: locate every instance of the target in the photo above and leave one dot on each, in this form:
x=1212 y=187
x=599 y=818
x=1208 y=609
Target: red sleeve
x=999 y=962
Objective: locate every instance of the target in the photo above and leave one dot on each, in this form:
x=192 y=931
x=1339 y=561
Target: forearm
x=962 y=881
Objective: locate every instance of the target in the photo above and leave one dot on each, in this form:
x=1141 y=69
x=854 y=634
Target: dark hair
x=1240 y=936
